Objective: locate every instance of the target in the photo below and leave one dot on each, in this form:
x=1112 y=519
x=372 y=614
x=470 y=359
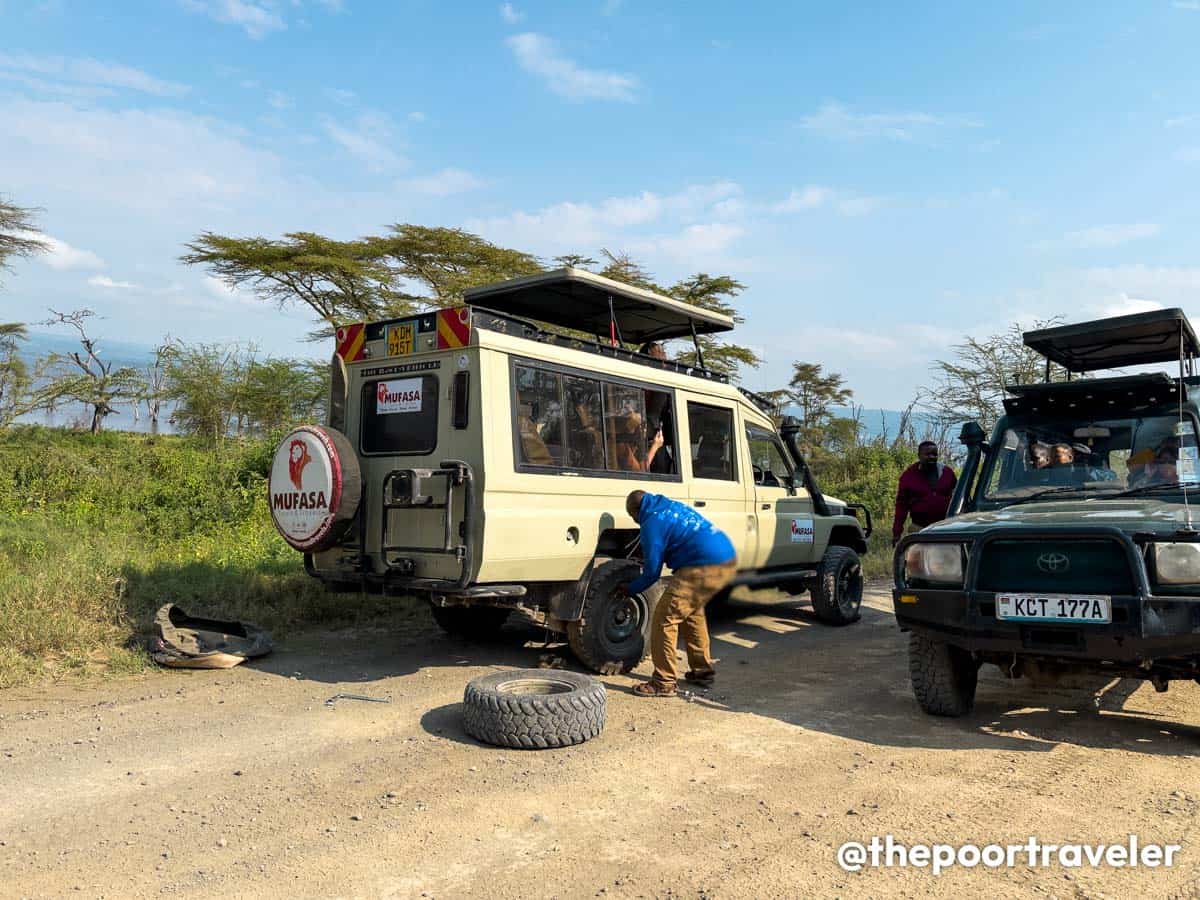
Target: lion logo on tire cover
x=298 y=458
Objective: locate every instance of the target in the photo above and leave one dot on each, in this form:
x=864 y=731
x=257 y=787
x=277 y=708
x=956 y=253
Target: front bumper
x=1143 y=627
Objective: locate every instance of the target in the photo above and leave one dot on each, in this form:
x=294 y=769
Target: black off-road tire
x=943 y=676
x=475 y=622
x=837 y=590
x=534 y=708
x=613 y=634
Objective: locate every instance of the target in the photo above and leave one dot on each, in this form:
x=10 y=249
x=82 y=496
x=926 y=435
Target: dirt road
x=243 y=783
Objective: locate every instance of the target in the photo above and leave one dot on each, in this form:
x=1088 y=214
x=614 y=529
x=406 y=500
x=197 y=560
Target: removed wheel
x=477 y=622
x=613 y=633
x=534 y=708
x=837 y=590
x=943 y=676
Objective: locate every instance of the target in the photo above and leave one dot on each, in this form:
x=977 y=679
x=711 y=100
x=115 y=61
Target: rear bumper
x=1143 y=628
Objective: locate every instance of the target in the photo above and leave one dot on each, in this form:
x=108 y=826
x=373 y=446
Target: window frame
x=363 y=416
x=519 y=465
x=773 y=438
x=733 y=436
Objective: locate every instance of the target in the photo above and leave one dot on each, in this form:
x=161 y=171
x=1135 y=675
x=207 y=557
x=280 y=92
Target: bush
x=98 y=531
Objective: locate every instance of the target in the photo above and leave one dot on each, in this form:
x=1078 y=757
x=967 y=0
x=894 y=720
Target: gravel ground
x=243 y=783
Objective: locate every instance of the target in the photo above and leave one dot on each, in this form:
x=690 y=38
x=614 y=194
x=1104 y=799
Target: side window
x=660 y=415
x=771 y=468
x=712 y=442
x=539 y=419
x=624 y=427
x=585 y=439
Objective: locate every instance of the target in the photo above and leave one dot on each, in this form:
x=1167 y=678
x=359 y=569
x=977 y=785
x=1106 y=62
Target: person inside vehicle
x=629 y=437
x=654 y=350
x=1155 y=465
x=1039 y=455
x=658 y=411
x=1064 y=455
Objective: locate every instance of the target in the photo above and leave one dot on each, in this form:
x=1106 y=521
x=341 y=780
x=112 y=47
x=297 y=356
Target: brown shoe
x=654 y=688
x=701 y=677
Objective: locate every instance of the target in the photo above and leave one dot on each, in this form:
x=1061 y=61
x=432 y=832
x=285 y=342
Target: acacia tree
x=16 y=379
x=972 y=384
x=86 y=377
x=153 y=390
x=340 y=281
x=715 y=293
x=19 y=234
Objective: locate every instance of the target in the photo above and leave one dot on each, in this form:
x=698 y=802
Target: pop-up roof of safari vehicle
x=590 y=303
x=1161 y=335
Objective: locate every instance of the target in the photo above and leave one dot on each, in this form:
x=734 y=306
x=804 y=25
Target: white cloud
x=257 y=19
x=339 y=95
x=132 y=159
x=369 y=139
x=1169 y=285
x=416 y=116
x=63 y=256
x=510 y=14
x=816 y=196
x=443 y=183
x=570 y=225
x=279 y=100
x=1188 y=154
x=1192 y=5
x=1180 y=121
x=103 y=281
x=540 y=56
x=1110 y=235
x=835 y=121
x=1124 y=305
x=49 y=71
x=695 y=245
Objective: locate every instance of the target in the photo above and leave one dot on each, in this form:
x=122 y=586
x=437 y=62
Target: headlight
x=1177 y=563
x=935 y=563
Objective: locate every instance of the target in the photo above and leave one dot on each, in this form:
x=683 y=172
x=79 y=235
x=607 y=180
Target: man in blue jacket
x=703 y=561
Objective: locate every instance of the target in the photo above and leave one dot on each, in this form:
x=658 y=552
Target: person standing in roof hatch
x=924 y=491
x=703 y=561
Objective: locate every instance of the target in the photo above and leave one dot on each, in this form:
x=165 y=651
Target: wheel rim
x=849 y=588
x=624 y=619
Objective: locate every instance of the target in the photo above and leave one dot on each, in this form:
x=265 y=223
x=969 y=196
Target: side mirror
x=972 y=434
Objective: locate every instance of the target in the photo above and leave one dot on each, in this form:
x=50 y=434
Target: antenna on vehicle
x=1187 y=509
x=614 y=330
x=696 y=344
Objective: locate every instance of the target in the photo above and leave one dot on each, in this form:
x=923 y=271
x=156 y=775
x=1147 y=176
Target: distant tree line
x=220 y=391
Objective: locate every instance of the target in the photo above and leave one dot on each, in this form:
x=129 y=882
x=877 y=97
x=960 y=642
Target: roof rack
x=1161 y=335
x=583 y=301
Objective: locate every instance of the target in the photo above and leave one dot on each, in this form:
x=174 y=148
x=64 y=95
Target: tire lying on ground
x=534 y=708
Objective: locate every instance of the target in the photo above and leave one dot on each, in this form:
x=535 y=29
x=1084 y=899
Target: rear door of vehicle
x=717 y=486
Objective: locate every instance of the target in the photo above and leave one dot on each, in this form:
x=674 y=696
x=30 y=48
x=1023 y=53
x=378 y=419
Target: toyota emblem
x=1054 y=563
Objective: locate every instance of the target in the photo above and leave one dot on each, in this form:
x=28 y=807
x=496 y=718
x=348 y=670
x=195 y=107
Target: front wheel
x=944 y=677
x=476 y=622
x=613 y=633
x=837 y=591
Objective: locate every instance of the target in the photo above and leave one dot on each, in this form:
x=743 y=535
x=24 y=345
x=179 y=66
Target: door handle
x=766 y=506
x=699 y=503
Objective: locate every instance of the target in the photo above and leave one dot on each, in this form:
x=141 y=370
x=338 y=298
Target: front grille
x=1092 y=566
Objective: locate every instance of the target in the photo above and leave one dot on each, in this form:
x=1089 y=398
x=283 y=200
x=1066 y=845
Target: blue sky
x=883 y=181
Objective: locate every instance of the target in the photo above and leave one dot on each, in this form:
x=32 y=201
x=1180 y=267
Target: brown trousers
x=681 y=607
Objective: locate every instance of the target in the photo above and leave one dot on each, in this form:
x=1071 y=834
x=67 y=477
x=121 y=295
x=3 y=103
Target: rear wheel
x=612 y=635
x=837 y=590
x=943 y=676
x=470 y=621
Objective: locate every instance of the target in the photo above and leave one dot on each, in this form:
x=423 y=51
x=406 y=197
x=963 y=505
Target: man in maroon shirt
x=924 y=491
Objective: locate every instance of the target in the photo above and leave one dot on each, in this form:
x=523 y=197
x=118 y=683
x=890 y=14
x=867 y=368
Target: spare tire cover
x=314 y=487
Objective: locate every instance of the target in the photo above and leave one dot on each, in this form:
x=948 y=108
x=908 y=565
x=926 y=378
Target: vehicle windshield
x=1055 y=458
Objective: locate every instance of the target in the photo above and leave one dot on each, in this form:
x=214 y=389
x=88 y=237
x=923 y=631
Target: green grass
x=97 y=532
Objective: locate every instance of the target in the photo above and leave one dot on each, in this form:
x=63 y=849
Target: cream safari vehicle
x=480 y=456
